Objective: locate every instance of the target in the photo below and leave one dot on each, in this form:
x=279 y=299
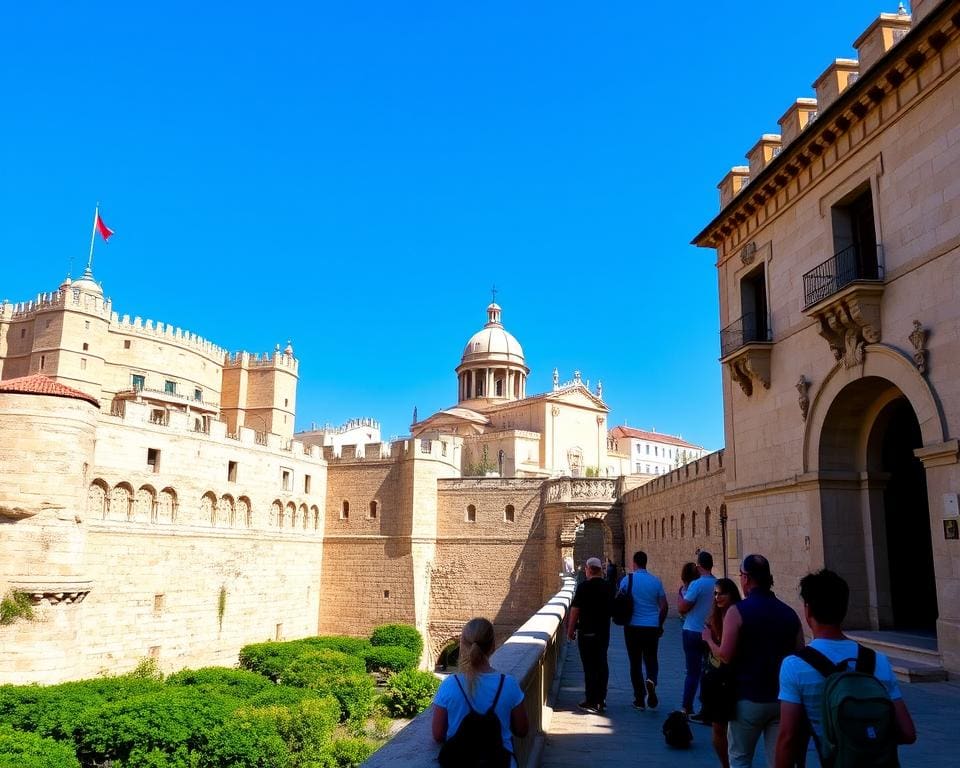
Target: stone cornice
x=898 y=65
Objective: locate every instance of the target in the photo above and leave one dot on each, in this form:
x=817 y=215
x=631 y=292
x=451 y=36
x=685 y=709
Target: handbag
x=622 y=609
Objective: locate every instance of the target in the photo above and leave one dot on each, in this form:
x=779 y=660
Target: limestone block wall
x=673 y=516
x=486 y=564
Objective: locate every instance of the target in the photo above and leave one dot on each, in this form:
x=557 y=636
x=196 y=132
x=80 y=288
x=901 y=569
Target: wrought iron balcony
x=742 y=331
x=844 y=267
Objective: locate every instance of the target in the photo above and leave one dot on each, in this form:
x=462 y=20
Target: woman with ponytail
x=476 y=690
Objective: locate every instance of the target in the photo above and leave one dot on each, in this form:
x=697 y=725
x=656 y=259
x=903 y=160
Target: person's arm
x=519 y=724
x=439 y=724
x=801 y=640
x=688 y=598
x=793 y=735
x=662 y=601
x=906 y=730
x=731 y=633
x=572 y=622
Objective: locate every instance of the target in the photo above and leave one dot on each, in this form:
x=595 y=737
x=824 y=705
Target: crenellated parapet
x=149 y=329
x=65 y=298
x=276 y=359
x=711 y=464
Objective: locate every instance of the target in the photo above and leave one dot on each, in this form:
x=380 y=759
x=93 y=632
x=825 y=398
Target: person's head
x=825 y=596
x=476 y=647
x=688 y=573
x=640 y=559
x=594 y=567
x=705 y=560
x=755 y=573
x=725 y=594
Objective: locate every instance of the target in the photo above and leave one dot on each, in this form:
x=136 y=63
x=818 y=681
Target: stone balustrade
x=532 y=655
x=580 y=489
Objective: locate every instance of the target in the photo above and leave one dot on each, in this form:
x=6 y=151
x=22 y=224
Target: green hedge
x=391 y=658
x=354 y=646
x=306 y=669
x=410 y=692
x=28 y=750
x=398 y=634
x=238 y=683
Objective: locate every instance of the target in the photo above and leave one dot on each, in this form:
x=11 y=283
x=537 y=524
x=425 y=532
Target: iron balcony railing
x=844 y=267
x=741 y=331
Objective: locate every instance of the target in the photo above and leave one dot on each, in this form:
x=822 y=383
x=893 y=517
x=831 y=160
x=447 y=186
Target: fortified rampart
x=675 y=515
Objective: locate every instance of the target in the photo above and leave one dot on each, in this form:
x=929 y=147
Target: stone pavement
x=623 y=736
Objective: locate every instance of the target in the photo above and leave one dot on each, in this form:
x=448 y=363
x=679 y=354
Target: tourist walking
x=694 y=605
x=589 y=622
x=611 y=575
x=758 y=633
x=642 y=634
x=476 y=688
x=825 y=597
x=717 y=695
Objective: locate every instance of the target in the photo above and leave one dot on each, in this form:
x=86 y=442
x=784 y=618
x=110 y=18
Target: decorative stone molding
x=803 y=387
x=748 y=253
x=919 y=340
x=941 y=455
x=53 y=591
x=849 y=320
x=750 y=363
x=581 y=489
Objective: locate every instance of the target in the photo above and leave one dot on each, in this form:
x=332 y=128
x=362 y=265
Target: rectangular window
x=639 y=469
x=153 y=459
x=198 y=395
x=23 y=332
x=639 y=448
x=306 y=483
x=279 y=636
x=126 y=343
x=170 y=387
x=648 y=449
x=137 y=380
x=443 y=448
x=158 y=601
x=83 y=363
x=286 y=478
x=231 y=471
x=86 y=346
x=43 y=361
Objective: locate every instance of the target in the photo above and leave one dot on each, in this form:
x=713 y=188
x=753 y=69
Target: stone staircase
x=914 y=658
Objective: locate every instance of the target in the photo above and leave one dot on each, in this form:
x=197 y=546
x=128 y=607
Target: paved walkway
x=624 y=736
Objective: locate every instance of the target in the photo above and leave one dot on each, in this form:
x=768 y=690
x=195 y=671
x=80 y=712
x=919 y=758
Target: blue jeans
x=693 y=653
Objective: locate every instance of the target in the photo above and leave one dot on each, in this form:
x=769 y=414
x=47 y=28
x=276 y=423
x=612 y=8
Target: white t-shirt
x=802 y=684
x=449 y=697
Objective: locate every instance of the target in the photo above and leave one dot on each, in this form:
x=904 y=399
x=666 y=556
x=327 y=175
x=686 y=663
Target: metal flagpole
x=93 y=237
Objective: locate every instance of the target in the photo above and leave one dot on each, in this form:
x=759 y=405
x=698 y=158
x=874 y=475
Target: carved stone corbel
x=849 y=321
x=804 y=401
x=919 y=340
x=751 y=364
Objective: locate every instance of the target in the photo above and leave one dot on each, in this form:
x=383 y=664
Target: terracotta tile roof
x=653 y=437
x=43 y=385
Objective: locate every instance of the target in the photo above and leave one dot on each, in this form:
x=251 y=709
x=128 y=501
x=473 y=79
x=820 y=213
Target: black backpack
x=622 y=609
x=676 y=731
x=478 y=742
x=857 y=715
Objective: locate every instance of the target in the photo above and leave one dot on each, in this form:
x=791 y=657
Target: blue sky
x=355 y=176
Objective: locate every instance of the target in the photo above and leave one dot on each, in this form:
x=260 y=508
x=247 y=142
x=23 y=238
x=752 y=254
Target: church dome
x=493 y=343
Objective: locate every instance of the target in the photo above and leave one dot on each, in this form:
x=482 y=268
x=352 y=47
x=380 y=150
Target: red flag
x=103 y=229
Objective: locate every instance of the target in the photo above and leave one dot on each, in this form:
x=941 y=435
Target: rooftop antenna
x=493 y=292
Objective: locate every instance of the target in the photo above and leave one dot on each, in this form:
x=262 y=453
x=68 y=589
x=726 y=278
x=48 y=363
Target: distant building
x=646 y=452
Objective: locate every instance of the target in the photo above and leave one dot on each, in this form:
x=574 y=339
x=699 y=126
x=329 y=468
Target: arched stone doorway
x=874 y=510
x=589 y=541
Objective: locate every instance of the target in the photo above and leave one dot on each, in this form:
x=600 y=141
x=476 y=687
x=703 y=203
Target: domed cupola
x=492 y=367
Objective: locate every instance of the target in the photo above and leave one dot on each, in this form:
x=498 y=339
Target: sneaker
x=586 y=706
x=637 y=704
x=652 y=699
x=698 y=718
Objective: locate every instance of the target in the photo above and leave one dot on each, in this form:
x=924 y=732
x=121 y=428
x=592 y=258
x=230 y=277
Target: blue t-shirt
x=451 y=699
x=700 y=593
x=802 y=684
x=647 y=591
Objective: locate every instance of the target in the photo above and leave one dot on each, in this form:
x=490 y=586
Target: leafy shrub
x=271 y=659
x=15 y=605
x=305 y=728
x=245 y=742
x=349 y=753
x=410 y=692
x=238 y=683
x=398 y=634
x=28 y=750
x=305 y=671
x=354 y=646
x=392 y=658
x=171 y=721
x=282 y=696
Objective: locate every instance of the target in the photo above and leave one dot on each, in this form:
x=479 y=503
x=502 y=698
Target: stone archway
x=874 y=514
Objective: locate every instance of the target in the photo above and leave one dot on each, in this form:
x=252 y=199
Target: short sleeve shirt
x=647 y=591
x=700 y=593
x=451 y=699
x=802 y=684
x=593 y=599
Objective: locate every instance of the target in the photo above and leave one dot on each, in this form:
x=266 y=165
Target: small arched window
x=345 y=510
x=683 y=526
x=471 y=513
x=373 y=510
x=508 y=513
x=693 y=523
x=706 y=521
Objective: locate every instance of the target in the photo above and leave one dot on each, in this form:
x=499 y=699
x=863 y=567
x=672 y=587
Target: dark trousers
x=693 y=653
x=642 y=643
x=596 y=673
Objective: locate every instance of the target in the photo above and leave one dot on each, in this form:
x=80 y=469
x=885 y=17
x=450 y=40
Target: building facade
x=838 y=252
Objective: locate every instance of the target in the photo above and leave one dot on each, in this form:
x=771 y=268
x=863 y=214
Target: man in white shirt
x=825 y=596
